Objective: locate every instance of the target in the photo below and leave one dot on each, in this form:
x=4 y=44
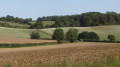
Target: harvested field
x=21 y=41
x=54 y=54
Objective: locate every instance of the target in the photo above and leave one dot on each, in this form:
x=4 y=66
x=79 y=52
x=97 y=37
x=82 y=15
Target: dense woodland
x=9 y=18
x=85 y=19
x=82 y=20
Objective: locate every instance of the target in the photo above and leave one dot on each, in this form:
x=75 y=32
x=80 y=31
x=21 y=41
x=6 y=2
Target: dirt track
x=19 y=40
x=75 y=52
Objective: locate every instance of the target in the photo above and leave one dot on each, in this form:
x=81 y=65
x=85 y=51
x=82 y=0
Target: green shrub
x=111 y=37
x=58 y=35
x=72 y=35
x=88 y=36
x=35 y=35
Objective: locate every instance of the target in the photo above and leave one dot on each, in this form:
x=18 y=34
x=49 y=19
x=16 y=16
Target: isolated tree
x=58 y=35
x=88 y=36
x=39 y=19
x=93 y=36
x=84 y=35
x=72 y=35
x=38 y=25
x=35 y=35
x=111 y=37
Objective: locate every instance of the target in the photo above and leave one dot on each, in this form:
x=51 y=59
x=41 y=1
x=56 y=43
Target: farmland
x=57 y=54
x=5 y=40
x=45 y=22
x=102 y=31
x=13 y=25
x=19 y=33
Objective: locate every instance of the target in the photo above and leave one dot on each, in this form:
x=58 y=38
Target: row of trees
x=85 y=19
x=9 y=18
x=72 y=35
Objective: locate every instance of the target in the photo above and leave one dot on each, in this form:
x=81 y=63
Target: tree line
x=84 y=20
x=81 y=20
x=9 y=18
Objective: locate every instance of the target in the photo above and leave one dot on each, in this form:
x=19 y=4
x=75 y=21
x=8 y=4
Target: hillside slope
x=102 y=31
x=19 y=33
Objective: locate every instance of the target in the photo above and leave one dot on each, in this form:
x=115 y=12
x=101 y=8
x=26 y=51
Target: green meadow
x=102 y=31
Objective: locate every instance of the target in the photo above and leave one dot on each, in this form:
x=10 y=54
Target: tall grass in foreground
x=110 y=61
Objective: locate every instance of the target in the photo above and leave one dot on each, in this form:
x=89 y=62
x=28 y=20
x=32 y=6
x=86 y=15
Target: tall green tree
x=38 y=25
x=35 y=35
x=83 y=36
x=58 y=35
x=93 y=36
x=88 y=36
x=72 y=35
x=111 y=37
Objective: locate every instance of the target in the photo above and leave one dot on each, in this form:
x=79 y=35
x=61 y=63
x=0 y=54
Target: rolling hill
x=13 y=25
x=45 y=22
x=102 y=31
x=19 y=33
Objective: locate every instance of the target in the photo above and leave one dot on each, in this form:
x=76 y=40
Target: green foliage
x=38 y=25
x=88 y=36
x=13 y=25
x=14 y=45
x=72 y=35
x=93 y=36
x=35 y=35
x=85 y=19
x=58 y=35
x=111 y=37
x=102 y=31
x=7 y=64
x=9 y=18
x=84 y=35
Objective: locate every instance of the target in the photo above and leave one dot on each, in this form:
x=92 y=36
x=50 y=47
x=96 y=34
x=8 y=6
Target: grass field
x=102 y=31
x=45 y=22
x=19 y=33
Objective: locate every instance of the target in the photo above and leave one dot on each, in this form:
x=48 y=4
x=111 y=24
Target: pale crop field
x=16 y=25
x=58 y=54
x=102 y=31
x=45 y=22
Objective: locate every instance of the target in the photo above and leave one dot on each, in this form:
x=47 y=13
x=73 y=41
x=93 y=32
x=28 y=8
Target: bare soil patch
x=21 y=41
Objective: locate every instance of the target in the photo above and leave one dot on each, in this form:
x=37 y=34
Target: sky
x=39 y=8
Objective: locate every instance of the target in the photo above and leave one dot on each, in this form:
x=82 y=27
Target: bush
x=39 y=25
x=35 y=35
x=72 y=35
x=58 y=35
x=83 y=36
x=88 y=36
x=111 y=37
